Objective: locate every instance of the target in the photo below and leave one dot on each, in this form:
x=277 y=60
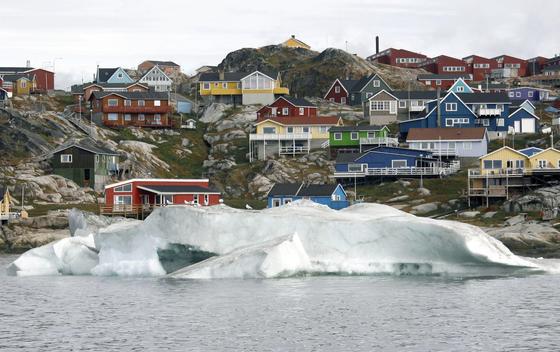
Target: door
x=87 y=177
x=527 y=126
x=517 y=126
x=392 y=107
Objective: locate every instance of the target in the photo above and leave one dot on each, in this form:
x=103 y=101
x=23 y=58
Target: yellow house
x=19 y=84
x=5 y=207
x=507 y=171
x=292 y=42
x=241 y=88
x=290 y=135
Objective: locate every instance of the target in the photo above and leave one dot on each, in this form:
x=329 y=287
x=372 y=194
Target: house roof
x=163 y=63
x=299 y=102
x=418 y=94
x=302 y=190
x=301 y=120
x=14 y=77
x=500 y=149
x=444 y=76
x=105 y=73
x=356 y=128
x=85 y=144
x=490 y=85
x=293 y=37
x=215 y=76
x=497 y=97
x=348 y=84
x=15 y=69
x=160 y=180
x=177 y=189
x=133 y=95
x=445 y=134
x=530 y=151
x=348 y=157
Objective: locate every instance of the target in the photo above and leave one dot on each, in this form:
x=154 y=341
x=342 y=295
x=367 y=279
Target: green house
x=351 y=139
x=85 y=162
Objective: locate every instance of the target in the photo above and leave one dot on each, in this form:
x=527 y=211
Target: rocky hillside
x=310 y=73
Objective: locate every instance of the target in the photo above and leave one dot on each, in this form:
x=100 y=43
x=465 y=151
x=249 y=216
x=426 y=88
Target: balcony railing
x=279 y=136
x=489 y=112
x=497 y=172
x=495 y=191
x=138 y=109
x=442 y=151
x=298 y=149
x=400 y=171
x=379 y=141
x=417 y=108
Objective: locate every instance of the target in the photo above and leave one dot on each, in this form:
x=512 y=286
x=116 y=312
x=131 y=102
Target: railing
x=496 y=172
x=325 y=144
x=442 y=151
x=278 y=136
x=417 y=108
x=495 y=191
x=379 y=141
x=138 y=109
x=489 y=112
x=294 y=149
x=400 y=171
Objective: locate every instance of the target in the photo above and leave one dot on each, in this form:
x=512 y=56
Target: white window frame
x=301 y=111
x=287 y=201
x=337 y=89
x=66 y=158
x=290 y=129
x=518 y=94
x=276 y=202
x=467 y=145
x=112 y=116
x=354 y=136
x=206 y=199
x=530 y=94
x=438 y=82
x=337 y=136
x=542 y=163
x=206 y=86
x=376 y=83
x=450 y=106
x=399 y=160
x=127 y=117
x=113 y=102
x=500 y=122
x=224 y=85
x=157 y=102
x=343 y=100
x=196 y=201
x=402 y=104
x=126 y=188
x=120 y=199
x=460 y=89
x=285 y=111
x=141 y=117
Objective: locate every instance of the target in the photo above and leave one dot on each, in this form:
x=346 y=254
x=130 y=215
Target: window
x=276 y=202
x=451 y=145
x=331 y=100
x=238 y=85
x=542 y=164
x=112 y=117
x=398 y=163
x=224 y=85
x=23 y=84
x=368 y=95
x=120 y=75
x=467 y=146
x=376 y=83
x=301 y=111
x=511 y=94
x=285 y=111
x=429 y=82
x=485 y=122
x=113 y=102
x=324 y=129
x=97 y=158
x=379 y=105
x=449 y=122
x=141 y=103
x=438 y=82
x=450 y=106
x=269 y=130
x=355 y=168
x=530 y=94
x=206 y=85
x=141 y=117
x=216 y=84
x=343 y=100
x=338 y=136
x=500 y=106
x=273 y=111
x=492 y=164
x=354 y=136
x=287 y=200
x=124 y=188
x=518 y=94
x=337 y=89
x=157 y=119
x=206 y=199
x=65 y=158
x=460 y=89
x=127 y=117
x=157 y=103
x=127 y=102
x=520 y=164
x=305 y=130
x=402 y=104
x=195 y=199
x=290 y=130
x=123 y=200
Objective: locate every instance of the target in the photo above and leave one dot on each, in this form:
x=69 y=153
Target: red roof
x=446 y=134
x=302 y=120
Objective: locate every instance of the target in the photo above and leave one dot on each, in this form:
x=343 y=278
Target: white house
x=450 y=141
x=156 y=79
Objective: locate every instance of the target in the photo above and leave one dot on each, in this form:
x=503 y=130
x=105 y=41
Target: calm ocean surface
x=379 y=313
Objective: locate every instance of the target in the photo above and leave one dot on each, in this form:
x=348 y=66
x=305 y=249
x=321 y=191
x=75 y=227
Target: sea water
x=319 y=313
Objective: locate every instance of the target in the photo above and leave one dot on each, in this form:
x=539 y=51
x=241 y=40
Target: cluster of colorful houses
x=463 y=107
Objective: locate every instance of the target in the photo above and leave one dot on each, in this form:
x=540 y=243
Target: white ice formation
x=300 y=238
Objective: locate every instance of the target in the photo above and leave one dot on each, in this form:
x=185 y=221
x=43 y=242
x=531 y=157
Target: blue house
x=530 y=93
x=390 y=162
x=489 y=110
x=112 y=75
x=523 y=121
x=460 y=87
x=332 y=195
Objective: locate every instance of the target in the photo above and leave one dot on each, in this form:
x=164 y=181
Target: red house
x=535 y=65
x=444 y=64
x=398 y=57
x=339 y=92
x=140 y=196
x=506 y=61
x=44 y=79
x=287 y=106
x=480 y=67
x=442 y=81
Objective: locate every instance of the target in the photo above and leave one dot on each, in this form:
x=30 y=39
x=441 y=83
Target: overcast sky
x=82 y=34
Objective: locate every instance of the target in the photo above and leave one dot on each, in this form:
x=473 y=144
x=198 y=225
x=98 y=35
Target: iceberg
x=301 y=238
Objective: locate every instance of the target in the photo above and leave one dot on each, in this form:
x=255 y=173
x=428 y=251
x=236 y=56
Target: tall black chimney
x=377 y=44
